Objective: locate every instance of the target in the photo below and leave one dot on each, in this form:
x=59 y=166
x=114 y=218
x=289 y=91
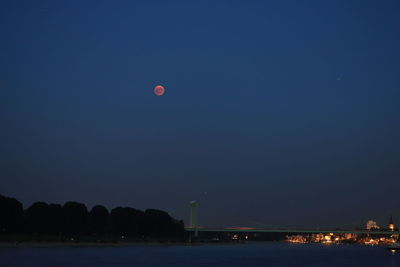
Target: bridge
x=291 y=231
x=195 y=228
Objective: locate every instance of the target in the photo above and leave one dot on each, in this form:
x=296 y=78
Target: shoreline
x=36 y=244
x=49 y=244
x=85 y=244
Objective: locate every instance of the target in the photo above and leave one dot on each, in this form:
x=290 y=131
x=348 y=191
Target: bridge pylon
x=194 y=217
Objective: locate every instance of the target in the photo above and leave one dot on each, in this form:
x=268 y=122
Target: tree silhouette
x=38 y=218
x=99 y=220
x=127 y=221
x=55 y=218
x=11 y=214
x=75 y=217
x=160 y=223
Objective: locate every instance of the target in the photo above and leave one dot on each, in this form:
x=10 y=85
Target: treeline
x=74 y=220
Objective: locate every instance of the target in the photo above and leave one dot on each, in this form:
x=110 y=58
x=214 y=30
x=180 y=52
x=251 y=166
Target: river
x=268 y=254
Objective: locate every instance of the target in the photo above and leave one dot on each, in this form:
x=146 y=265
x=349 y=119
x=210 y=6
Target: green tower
x=194 y=217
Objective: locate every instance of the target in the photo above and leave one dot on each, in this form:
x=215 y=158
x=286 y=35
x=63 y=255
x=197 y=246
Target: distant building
x=391 y=224
x=371 y=225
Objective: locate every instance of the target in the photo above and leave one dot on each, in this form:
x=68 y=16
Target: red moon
x=159 y=90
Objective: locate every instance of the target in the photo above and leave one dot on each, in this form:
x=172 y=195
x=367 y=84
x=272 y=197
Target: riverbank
x=87 y=244
x=50 y=244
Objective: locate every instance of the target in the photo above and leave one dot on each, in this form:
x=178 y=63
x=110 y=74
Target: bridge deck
x=300 y=231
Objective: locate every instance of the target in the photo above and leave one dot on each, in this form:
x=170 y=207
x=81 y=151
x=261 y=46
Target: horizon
x=255 y=225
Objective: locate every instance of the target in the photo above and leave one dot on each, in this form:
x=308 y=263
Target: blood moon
x=159 y=90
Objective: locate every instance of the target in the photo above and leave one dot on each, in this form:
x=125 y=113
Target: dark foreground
x=251 y=254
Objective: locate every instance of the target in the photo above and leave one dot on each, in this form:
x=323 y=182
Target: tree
x=75 y=216
x=99 y=219
x=55 y=218
x=73 y=219
x=160 y=223
x=38 y=218
x=11 y=214
x=127 y=221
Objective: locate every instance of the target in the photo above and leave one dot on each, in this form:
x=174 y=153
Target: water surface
x=251 y=254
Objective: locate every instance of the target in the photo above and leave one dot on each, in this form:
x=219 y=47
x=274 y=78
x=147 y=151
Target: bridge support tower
x=194 y=217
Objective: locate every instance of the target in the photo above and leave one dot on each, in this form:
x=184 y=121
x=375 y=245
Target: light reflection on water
x=251 y=254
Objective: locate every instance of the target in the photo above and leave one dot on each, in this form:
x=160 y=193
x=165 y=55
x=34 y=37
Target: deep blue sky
x=275 y=112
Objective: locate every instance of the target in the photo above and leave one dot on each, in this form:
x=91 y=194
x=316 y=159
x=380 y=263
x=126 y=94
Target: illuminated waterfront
x=332 y=238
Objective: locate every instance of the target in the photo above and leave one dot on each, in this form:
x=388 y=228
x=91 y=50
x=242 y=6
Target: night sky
x=276 y=113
